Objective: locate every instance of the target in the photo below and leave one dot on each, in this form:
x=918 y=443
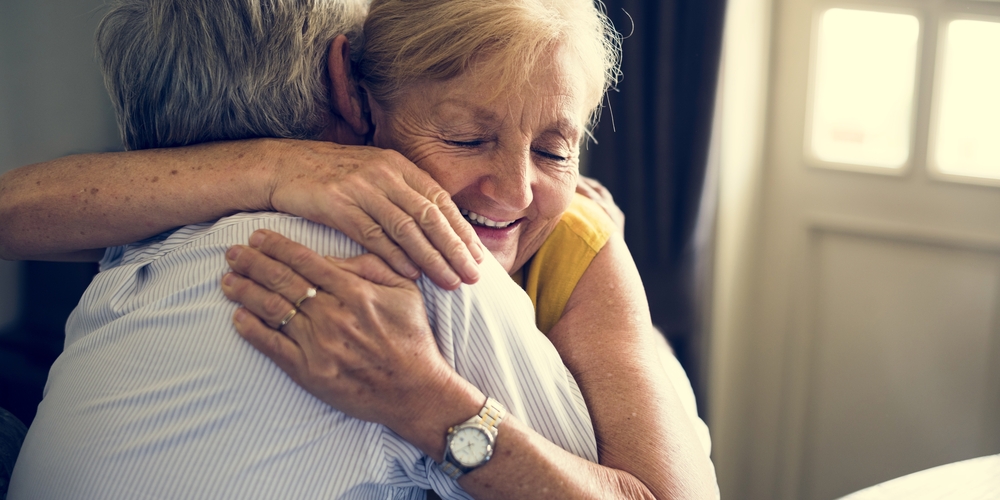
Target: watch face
x=469 y=446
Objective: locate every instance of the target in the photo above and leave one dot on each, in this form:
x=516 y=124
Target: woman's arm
x=420 y=396
x=73 y=207
x=606 y=339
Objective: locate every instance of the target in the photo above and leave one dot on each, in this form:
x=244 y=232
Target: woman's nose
x=509 y=184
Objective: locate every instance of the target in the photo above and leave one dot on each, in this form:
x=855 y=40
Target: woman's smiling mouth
x=478 y=220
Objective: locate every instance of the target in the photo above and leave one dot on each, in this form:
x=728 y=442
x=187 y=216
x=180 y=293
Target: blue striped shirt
x=157 y=397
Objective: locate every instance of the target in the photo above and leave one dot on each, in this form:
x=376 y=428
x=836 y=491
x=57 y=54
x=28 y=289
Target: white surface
x=975 y=479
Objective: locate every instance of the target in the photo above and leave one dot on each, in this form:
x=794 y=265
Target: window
x=966 y=124
x=863 y=85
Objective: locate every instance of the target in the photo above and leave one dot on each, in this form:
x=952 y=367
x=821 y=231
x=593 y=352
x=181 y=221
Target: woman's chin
x=501 y=242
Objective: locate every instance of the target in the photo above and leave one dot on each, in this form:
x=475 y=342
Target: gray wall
x=52 y=99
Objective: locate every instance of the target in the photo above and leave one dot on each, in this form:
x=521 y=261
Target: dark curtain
x=49 y=292
x=652 y=151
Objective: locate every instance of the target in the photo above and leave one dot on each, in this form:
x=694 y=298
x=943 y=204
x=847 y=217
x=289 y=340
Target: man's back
x=157 y=396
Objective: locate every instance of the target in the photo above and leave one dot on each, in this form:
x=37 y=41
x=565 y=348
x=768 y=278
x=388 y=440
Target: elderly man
x=155 y=395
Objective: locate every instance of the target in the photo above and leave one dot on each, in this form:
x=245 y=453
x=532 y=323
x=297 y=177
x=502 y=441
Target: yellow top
x=553 y=272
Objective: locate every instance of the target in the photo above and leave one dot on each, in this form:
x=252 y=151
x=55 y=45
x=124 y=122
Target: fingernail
x=477 y=251
x=411 y=271
x=470 y=270
x=239 y=316
x=452 y=279
x=234 y=252
x=228 y=279
x=256 y=238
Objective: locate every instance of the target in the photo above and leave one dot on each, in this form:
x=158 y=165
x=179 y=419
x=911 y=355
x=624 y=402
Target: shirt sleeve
x=487 y=332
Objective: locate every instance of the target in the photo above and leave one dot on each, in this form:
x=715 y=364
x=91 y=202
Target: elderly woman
x=493 y=104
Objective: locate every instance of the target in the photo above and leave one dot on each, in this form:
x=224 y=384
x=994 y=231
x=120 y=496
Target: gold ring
x=310 y=293
x=288 y=317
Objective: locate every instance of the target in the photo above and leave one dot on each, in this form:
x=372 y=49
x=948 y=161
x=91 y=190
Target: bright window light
x=967 y=128
x=863 y=87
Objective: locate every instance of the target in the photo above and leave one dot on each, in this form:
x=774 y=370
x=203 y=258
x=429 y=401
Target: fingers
x=372 y=268
x=369 y=233
x=424 y=184
x=284 y=351
x=596 y=192
x=271 y=257
x=270 y=308
x=424 y=221
x=273 y=275
x=433 y=240
x=404 y=230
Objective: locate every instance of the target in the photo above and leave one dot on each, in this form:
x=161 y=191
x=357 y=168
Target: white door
x=870 y=343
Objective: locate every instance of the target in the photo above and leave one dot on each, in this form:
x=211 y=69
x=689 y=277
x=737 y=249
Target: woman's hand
x=72 y=208
x=383 y=201
x=361 y=344
x=596 y=191
x=365 y=348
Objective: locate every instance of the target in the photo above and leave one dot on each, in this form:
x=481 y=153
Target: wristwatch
x=470 y=444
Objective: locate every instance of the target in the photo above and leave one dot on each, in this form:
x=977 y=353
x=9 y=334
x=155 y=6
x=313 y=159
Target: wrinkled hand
x=596 y=191
x=384 y=202
x=362 y=344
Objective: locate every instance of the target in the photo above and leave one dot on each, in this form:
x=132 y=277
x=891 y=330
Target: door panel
x=901 y=356
x=870 y=349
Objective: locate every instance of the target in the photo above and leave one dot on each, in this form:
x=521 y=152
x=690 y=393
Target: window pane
x=967 y=138
x=863 y=87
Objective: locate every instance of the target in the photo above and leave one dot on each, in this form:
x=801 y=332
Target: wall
x=52 y=99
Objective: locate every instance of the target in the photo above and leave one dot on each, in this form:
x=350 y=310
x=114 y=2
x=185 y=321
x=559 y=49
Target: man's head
x=188 y=71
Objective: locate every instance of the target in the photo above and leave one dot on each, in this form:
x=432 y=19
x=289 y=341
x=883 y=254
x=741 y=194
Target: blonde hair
x=418 y=40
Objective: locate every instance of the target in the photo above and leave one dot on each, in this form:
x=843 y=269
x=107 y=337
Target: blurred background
x=812 y=192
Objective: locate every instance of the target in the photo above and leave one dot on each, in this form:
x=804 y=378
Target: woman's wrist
x=433 y=412
x=259 y=163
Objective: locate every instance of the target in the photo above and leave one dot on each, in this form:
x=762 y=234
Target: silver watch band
x=490 y=416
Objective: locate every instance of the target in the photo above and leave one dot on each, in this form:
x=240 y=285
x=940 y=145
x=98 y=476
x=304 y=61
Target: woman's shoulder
x=554 y=271
x=585 y=221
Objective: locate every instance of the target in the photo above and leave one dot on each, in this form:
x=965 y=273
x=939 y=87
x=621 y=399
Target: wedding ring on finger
x=310 y=293
x=288 y=317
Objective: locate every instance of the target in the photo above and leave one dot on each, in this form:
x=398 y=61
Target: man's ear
x=345 y=96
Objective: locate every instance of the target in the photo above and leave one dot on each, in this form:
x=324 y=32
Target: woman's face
x=510 y=159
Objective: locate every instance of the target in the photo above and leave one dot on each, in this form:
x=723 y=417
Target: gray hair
x=187 y=71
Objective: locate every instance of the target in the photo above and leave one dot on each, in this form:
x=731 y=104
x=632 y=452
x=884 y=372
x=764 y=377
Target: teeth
x=483 y=221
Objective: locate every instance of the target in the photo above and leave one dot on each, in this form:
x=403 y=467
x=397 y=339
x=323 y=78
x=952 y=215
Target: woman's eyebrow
x=565 y=128
x=473 y=110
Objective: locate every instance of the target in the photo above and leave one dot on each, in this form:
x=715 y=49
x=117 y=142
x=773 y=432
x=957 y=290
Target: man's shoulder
x=231 y=230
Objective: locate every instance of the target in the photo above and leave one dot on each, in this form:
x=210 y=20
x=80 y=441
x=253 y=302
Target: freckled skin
x=510 y=157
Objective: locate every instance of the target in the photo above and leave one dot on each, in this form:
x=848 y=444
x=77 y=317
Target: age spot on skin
x=156 y=179
x=173 y=172
x=94 y=191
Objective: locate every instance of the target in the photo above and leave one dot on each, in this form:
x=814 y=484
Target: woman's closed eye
x=550 y=156
x=466 y=144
